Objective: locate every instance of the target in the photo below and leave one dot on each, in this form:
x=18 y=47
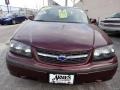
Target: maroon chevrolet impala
x=61 y=45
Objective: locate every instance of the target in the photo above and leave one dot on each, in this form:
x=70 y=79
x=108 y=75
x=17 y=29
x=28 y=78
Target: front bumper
x=22 y=67
x=110 y=29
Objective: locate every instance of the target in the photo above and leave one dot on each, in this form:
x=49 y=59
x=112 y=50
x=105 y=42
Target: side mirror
x=31 y=17
x=93 y=21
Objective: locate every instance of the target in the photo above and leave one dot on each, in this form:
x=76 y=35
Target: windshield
x=62 y=14
x=117 y=15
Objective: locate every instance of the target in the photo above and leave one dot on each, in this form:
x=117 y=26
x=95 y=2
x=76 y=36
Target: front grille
x=111 y=25
x=111 y=21
x=50 y=56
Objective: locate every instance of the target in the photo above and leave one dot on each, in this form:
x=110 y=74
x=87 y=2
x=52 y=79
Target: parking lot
x=8 y=82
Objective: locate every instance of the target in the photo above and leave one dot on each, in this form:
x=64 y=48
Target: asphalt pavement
x=9 y=82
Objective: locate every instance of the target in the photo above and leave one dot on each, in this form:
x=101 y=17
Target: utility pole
x=66 y=3
x=7 y=2
x=73 y=1
x=8 y=8
x=43 y=2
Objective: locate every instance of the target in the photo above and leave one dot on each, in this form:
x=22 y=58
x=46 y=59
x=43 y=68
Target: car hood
x=58 y=36
x=4 y=18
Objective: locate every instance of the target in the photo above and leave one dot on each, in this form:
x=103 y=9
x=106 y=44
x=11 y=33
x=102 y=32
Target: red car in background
x=61 y=46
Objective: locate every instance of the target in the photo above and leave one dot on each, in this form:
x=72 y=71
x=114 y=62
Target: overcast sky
x=25 y=3
x=35 y=4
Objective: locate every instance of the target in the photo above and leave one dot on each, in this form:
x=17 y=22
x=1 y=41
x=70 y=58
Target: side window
x=21 y=18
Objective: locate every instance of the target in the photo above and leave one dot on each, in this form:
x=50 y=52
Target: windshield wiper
x=40 y=20
x=73 y=22
x=55 y=21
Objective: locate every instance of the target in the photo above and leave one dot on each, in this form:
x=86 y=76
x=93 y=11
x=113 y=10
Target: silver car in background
x=111 y=24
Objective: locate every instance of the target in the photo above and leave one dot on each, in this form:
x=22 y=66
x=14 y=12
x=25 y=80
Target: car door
x=20 y=19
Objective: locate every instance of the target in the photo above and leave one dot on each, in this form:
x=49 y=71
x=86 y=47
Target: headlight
x=105 y=52
x=20 y=48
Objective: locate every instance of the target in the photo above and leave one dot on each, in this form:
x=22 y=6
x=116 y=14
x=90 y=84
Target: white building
x=100 y=8
x=52 y=2
x=95 y=8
